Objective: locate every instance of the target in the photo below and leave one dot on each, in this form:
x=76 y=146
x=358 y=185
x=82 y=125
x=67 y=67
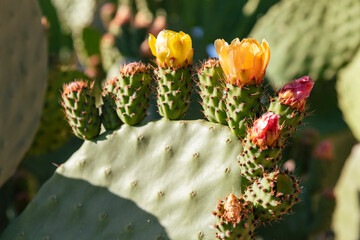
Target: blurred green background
x=92 y=38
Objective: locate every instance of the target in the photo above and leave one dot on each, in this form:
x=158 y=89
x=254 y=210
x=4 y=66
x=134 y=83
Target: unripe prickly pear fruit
x=244 y=64
x=235 y=219
x=262 y=147
x=80 y=109
x=109 y=117
x=290 y=103
x=132 y=90
x=273 y=195
x=212 y=91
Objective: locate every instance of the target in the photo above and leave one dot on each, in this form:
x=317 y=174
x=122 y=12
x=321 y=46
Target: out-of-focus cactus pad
x=306 y=37
x=348 y=88
x=23 y=59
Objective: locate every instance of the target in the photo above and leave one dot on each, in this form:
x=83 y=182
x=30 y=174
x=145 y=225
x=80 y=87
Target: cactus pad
x=174 y=171
x=22 y=78
x=348 y=87
x=307 y=37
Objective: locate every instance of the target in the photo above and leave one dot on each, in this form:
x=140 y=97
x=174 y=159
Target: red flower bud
x=325 y=150
x=265 y=130
x=296 y=92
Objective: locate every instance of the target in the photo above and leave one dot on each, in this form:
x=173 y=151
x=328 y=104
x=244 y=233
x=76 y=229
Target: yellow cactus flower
x=245 y=62
x=171 y=49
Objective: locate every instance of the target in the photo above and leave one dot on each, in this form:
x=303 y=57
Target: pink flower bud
x=296 y=92
x=265 y=130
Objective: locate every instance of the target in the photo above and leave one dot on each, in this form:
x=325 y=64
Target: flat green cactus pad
x=315 y=38
x=348 y=88
x=161 y=179
x=22 y=79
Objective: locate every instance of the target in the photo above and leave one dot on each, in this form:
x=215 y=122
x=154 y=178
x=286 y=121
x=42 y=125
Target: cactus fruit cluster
x=173 y=174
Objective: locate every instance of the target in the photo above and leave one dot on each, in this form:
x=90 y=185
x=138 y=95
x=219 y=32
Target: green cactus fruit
x=212 y=91
x=171 y=179
x=347 y=87
x=173 y=91
x=273 y=195
x=109 y=117
x=307 y=37
x=53 y=131
x=235 y=219
x=262 y=147
x=132 y=90
x=242 y=104
x=22 y=79
x=254 y=161
x=290 y=104
x=81 y=112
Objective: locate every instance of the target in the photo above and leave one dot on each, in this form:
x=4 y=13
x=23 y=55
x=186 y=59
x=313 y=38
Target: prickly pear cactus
x=22 y=80
x=161 y=179
x=308 y=37
x=348 y=86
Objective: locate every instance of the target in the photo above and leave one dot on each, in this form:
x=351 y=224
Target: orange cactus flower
x=245 y=62
x=171 y=49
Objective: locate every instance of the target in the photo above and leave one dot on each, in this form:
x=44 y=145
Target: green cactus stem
x=173 y=91
x=212 y=91
x=81 y=112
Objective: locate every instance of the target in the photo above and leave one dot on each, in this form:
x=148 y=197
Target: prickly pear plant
x=173 y=174
x=22 y=79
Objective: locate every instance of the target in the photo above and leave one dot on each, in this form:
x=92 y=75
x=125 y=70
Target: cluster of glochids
x=232 y=93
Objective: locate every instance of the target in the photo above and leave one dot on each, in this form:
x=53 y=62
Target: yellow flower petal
x=152 y=43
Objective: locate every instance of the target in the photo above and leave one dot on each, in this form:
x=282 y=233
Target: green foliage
x=172 y=178
x=22 y=79
x=309 y=38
